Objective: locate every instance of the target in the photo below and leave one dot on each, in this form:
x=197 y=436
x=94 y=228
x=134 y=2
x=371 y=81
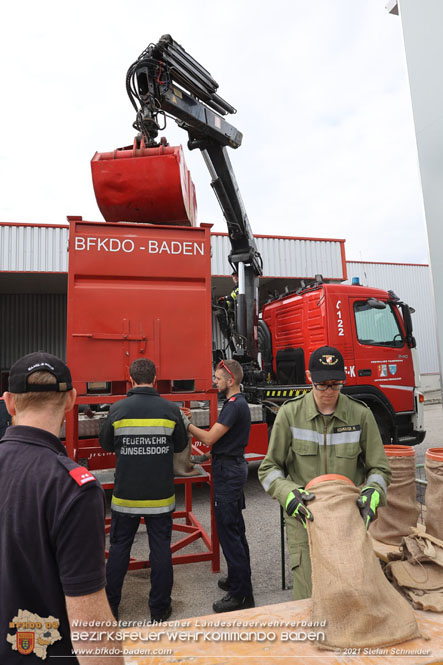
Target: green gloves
x=296 y=505
x=368 y=503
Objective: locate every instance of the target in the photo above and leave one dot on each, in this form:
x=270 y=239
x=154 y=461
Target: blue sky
x=321 y=91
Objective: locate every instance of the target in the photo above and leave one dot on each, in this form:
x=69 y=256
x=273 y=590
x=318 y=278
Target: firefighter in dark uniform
x=52 y=541
x=144 y=430
x=225 y=310
x=230 y=300
x=228 y=438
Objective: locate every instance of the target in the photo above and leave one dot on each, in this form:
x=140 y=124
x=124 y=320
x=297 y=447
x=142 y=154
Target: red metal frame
x=192 y=527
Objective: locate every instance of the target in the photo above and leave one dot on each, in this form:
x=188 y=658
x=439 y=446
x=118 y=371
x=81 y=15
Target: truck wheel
x=383 y=426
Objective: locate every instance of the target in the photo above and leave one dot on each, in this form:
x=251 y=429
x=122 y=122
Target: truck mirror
x=406 y=312
x=376 y=304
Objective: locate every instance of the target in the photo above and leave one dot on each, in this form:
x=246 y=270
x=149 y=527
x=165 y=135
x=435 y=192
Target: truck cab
x=372 y=329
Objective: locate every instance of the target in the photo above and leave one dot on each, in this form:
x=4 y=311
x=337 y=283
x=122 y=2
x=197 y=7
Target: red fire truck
x=372 y=329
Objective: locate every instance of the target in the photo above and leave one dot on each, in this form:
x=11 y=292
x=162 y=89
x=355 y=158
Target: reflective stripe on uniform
x=144 y=503
x=333 y=439
x=377 y=478
x=142 y=511
x=266 y=482
x=146 y=426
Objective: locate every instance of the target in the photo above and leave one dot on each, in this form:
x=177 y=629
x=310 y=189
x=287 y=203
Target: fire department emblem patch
x=25 y=642
x=393 y=369
x=328 y=359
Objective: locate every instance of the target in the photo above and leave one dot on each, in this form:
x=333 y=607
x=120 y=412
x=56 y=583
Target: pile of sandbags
x=417 y=571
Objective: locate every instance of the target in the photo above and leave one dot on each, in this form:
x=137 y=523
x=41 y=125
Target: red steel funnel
x=151 y=185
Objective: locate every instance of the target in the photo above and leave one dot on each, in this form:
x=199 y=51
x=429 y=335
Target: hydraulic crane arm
x=166 y=81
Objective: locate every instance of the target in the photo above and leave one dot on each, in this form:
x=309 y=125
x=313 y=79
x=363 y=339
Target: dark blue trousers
x=123 y=530
x=229 y=477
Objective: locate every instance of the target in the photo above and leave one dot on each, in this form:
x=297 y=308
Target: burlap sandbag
x=421 y=583
x=425 y=576
x=434 y=493
x=183 y=465
x=420 y=547
x=401 y=511
x=349 y=590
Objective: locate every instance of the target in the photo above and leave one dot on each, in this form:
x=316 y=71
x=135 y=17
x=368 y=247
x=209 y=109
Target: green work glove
x=296 y=505
x=368 y=503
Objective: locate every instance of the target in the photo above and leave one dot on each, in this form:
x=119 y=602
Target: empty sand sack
x=421 y=583
x=401 y=512
x=349 y=590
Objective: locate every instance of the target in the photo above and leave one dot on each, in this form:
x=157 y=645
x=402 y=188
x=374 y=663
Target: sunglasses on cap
x=222 y=365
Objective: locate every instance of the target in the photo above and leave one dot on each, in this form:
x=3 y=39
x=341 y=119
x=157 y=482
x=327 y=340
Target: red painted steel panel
x=258 y=440
x=137 y=290
x=144 y=185
x=326 y=316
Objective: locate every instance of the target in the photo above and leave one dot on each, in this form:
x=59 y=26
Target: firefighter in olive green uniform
x=322 y=432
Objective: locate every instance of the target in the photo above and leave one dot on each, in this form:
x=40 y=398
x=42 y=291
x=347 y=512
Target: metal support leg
x=282 y=549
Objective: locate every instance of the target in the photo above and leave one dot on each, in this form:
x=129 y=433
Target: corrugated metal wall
x=285 y=257
x=31 y=322
x=218 y=339
x=33 y=248
x=412 y=283
x=27 y=248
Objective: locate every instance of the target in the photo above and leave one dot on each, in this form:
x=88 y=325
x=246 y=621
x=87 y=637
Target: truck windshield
x=377 y=327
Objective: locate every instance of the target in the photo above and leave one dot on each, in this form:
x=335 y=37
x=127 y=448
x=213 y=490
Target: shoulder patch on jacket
x=232 y=399
x=354 y=399
x=294 y=399
x=78 y=473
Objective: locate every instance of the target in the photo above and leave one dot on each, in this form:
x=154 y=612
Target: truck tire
x=383 y=426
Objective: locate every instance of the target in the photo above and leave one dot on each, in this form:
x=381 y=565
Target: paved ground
x=195 y=586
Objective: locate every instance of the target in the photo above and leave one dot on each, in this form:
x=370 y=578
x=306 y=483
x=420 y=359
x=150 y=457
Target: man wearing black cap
x=52 y=545
x=318 y=433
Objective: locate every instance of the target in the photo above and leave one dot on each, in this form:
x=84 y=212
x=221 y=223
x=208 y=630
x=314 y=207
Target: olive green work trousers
x=299 y=559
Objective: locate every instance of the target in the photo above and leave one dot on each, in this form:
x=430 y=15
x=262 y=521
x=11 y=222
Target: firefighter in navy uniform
x=228 y=438
x=144 y=430
x=322 y=432
x=52 y=510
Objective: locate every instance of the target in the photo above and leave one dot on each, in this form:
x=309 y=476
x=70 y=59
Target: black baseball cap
x=39 y=362
x=327 y=364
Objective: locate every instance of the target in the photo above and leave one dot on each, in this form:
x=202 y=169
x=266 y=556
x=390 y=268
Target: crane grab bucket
x=139 y=184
